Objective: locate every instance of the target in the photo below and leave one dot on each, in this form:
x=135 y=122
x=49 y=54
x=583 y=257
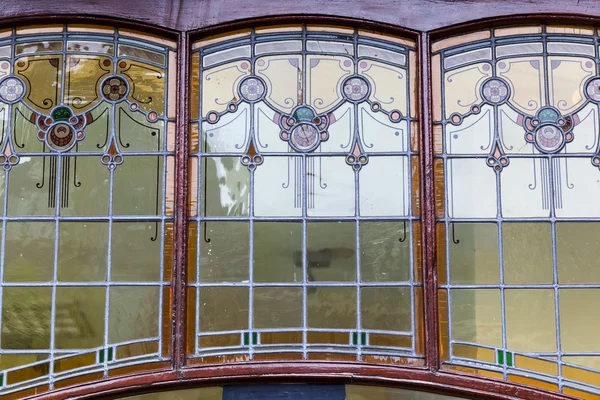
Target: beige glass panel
x=82 y=251
x=462 y=87
x=356 y=392
x=278 y=187
x=26 y=315
x=29 y=193
x=567 y=84
x=277 y=307
x=138 y=186
x=530 y=320
x=324 y=76
x=224 y=251
x=219 y=85
x=148 y=91
x=79 y=317
x=577 y=247
x=578 y=324
x=525 y=189
x=330 y=187
x=386 y=308
x=277 y=252
x=331 y=251
x=389 y=84
x=225 y=187
x=42 y=73
x=476 y=316
x=577 y=185
x=474 y=197
x=283 y=76
x=331 y=307
x=527 y=253
x=377 y=196
x=525 y=77
x=143 y=240
x=29 y=252
x=474 y=256
x=223 y=309
x=230 y=134
x=385 y=251
x=133 y=313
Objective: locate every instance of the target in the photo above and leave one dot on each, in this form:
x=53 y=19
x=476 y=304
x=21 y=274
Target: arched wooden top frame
x=185 y=19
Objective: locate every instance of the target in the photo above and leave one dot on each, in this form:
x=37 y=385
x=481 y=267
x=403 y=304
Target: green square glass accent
x=104 y=353
x=509 y=359
x=246 y=338
x=254 y=337
x=354 y=338
x=110 y=354
x=500 y=354
x=2 y=379
x=101 y=356
x=363 y=338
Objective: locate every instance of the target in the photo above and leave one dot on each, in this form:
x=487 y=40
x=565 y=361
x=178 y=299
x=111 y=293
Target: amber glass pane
x=279 y=307
x=332 y=308
x=476 y=316
x=224 y=252
x=86 y=154
x=223 y=309
x=387 y=309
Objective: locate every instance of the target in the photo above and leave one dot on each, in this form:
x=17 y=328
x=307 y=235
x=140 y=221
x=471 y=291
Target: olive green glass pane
x=29 y=187
x=383 y=256
x=82 y=251
x=209 y=393
x=277 y=252
x=225 y=187
x=331 y=307
x=577 y=247
x=223 y=309
x=331 y=251
x=527 y=252
x=133 y=313
x=579 y=323
x=474 y=257
x=224 y=251
x=476 y=316
x=88 y=187
x=386 y=308
x=135 y=133
x=26 y=317
x=141 y=239
x=138 y=186
x=530 y=320
x=29 y=252
x=277 y=307
x=79 y=317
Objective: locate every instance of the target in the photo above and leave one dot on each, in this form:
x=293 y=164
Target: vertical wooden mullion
x=181 y=188
x=432 y=347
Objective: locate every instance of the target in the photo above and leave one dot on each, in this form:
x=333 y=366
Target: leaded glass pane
x=517 y=181
x=86 y=196
x=304 y=229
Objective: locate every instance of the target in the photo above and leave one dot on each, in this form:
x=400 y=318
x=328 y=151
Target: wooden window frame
x=423 y=22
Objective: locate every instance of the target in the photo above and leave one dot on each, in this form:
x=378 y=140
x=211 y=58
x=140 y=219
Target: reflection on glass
x=79 y=317
x=26 y=317
x=331 y=251
x=141 y=239
x=223 y=309
x=473 y=254
x=138 y=186
x=224 y=251
x=225 y=187
x=277 y=252
x=133 y=313
x=29 y=252
x=385 y=251
x=527 y=252
x=385 y=308
x=82 y=251
x=332 y=308
x=476 y=316
x=277 y=307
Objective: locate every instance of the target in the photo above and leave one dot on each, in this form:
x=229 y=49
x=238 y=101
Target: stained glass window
x=304 y=218
x=86 y=143
x=517 y=162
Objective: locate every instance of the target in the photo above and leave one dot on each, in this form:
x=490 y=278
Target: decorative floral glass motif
x=516 y=132
x=304 y=211
x=87 y=151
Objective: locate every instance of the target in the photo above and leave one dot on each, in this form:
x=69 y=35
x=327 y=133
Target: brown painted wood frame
x=190 y=19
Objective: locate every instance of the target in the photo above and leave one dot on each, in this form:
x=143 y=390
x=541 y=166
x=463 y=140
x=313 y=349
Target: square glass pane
x=378 y=197
x=224 y=252
x=577 y=247
x=474 y=257
x=386 y=308
x=330 y=187
x=476 y=316
x=277 y=307
x=26 y=313
x=29 y=252
x=225 y=185
x=82 y=251
x=332 y=307
x=331 y=251
x=79 y=317
x=385 y=251
x=277 y=252
x=30 y=189
x=530 y=320
x=278 y=187
x=88 y=187
x=133 y=313
x=138 y=186
x=141 y=239
x=579 y=323
x=223 y=309
x=527 y=253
